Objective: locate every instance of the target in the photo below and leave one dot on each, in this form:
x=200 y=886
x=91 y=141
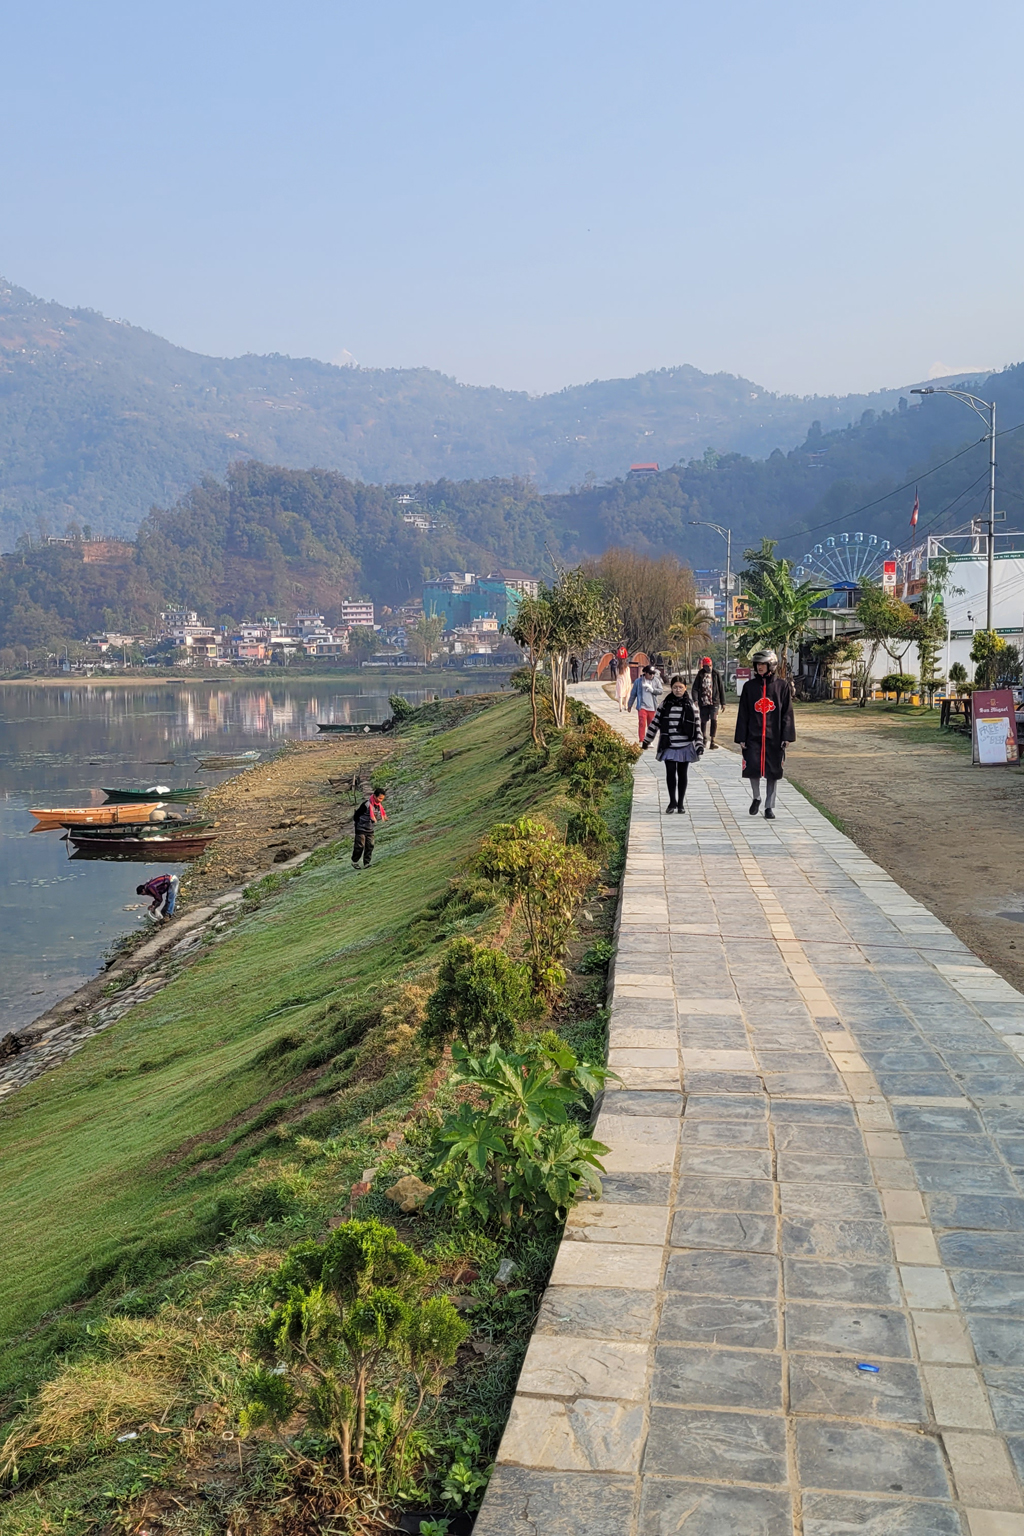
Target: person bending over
x=162 y=891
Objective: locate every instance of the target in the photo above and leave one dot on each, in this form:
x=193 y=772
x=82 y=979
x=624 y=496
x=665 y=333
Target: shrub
x=344 y=1316
x=533 y=868
x=481 y=995
x=898 y=683
x=520 y=1156
x=592 y=757
x=598 y=956
x=586 y=828
x=400 y=708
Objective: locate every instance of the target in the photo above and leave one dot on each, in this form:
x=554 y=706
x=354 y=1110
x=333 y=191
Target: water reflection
x=60 y=746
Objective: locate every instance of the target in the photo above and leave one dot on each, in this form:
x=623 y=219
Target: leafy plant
x=548 y=880
x=400 y=708
x=520 y=1156
x=481 y=995
x=958 y=676
x=341 y=1311
x=591 y=757
x=597 y=957
x=779 y=609
x=898 y=683
x=987 y=655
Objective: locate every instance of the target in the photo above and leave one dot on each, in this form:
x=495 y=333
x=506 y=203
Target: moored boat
x=146 y=831
x=146 y=850
x=93 y=815
x=161 y=791
x=347 y=729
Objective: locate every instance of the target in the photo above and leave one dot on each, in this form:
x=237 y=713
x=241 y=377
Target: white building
x=357 y=612
x=967 y=591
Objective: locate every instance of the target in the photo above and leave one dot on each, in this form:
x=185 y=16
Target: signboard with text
x=889 y=576
x=994 y=727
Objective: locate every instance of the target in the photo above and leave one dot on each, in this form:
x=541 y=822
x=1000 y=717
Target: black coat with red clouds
x=763 y=732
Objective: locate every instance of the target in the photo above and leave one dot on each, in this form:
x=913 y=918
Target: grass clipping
x=146 y=1367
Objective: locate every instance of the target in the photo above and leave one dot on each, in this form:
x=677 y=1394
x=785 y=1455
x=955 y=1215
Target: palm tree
x=689 y=624
x=779 y=611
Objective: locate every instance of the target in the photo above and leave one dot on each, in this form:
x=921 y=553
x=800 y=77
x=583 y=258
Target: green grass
x=107 y=1168
x=915 y=723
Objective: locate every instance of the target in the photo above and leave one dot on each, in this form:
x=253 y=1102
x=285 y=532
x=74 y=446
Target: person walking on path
x=162 y=891
x=645 y=694
x=680 y=740
x=709 y=693
x=369 y=813
x=764 y=725
x=574 y=668
x=622 y=676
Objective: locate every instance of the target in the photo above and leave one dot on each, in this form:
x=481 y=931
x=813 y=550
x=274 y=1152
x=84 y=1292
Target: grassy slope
x=91 y=1152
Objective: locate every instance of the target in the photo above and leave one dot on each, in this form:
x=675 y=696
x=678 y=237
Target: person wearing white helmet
x=764 y=726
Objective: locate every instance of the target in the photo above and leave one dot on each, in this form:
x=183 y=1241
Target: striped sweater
x=677 y=724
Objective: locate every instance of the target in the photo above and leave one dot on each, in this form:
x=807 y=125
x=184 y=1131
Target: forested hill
x=100 y=420
x=270 y=539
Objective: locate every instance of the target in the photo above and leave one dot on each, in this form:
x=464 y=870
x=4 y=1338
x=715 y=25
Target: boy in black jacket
x=369 y=813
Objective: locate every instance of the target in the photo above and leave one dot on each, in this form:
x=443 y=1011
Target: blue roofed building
x=462 y=596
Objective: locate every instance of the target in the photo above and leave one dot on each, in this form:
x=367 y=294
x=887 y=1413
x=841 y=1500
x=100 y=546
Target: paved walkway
x=799 y=1306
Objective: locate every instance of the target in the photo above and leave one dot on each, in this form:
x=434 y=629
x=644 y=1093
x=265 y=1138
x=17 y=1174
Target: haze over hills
x=100 y=420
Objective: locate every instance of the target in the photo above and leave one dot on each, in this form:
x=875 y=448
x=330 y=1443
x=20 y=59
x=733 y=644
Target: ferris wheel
x=846 y=557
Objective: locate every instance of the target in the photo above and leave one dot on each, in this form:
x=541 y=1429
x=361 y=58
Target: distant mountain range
x=100 y=420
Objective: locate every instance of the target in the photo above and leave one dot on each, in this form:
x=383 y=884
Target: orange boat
x=94 y=815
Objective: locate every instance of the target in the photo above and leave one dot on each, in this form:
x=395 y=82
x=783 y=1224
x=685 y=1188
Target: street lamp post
x=986 y=409
x=697 y=522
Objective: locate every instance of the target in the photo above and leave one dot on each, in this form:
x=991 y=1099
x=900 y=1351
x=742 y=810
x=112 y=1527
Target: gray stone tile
x=813 y=1167
x=982 y=1250
x=979 y=1085
x=918 y=1085
x=522 y=1502
x=1005 y=1116
x=830 y=1200
x=964 y=1179
x=997 y=1340
x=709 y=1194
x=671 y=1507
x=744 y=1322
x=1012 y=1148
x=903 y=1059
x=858 y=1459
x=696 y=1443
x=852 y=1239
x=1006 y=1394
x=915 y=1117
x=738 y=1230
x=832 y=1140
x=825 y=1384
x=868 y=1332
x=807 y=1112
x=980 y=1290
x=840 y=1514
x=711 y=1273
x=597 y=1312
x=1015 y=1446
x=875 y=1285
x=944 y=1147
x=716 y=1378
x=726 y=1107
x=636 y=1188
x=725 y=1133
x=722 y=1082
x=723 y=1163
x=985 y=1213
x=630 y=1101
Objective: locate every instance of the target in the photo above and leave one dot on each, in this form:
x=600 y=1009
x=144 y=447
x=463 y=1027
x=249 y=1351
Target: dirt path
x=949 y=833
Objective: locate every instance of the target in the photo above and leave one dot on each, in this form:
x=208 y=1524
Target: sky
x=820 y=197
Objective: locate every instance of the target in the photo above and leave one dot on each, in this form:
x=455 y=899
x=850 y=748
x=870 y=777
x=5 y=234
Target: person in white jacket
x=645 y=695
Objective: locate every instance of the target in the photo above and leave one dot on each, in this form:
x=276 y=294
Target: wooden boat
x=175 y=796
x=144 y=850
x=146 y=831
x=93 y=815
x=228 y=758
x=346 y=729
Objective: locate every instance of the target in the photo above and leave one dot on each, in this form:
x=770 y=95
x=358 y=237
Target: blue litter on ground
x=862 y=1365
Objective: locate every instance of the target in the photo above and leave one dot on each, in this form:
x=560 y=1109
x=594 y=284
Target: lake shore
x=250 y=676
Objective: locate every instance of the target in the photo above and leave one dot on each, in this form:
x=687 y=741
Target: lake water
x=61 y=745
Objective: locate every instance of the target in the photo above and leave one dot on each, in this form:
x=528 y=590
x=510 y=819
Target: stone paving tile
x=817 y=1164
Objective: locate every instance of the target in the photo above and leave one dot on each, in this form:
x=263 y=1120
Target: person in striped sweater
x=676 y=723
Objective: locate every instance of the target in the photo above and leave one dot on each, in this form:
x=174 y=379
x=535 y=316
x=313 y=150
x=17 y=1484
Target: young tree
x=689 y=626
x=363 y=642
x=829 y=655
x=582 y=610
x=958 y=677
x=898 y=683
x=881 y=616
x=532 y=628
x=987 y=653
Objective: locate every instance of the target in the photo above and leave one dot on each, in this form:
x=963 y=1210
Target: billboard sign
x=994 y=727
x=889 y=576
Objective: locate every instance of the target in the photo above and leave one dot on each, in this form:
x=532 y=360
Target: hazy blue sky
x=820 y=196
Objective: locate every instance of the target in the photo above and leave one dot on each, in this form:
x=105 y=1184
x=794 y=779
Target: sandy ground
x=280 y=808
x=950 y=833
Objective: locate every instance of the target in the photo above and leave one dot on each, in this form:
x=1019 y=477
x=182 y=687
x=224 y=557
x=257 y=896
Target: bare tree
x=648 y=593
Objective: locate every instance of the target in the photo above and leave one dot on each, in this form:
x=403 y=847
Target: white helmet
x=764 y=658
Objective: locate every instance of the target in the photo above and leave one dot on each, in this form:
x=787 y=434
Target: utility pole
x=697 y=522
x=980 y=408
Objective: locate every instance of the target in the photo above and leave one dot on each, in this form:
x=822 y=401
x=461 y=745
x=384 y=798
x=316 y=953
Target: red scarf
x=374 y=805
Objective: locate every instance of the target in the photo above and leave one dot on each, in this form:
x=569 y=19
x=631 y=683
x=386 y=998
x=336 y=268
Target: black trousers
x=675 y=778
x=709 y=721
x=362 y=848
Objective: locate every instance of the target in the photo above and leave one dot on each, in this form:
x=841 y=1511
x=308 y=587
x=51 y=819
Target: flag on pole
x=917 y=508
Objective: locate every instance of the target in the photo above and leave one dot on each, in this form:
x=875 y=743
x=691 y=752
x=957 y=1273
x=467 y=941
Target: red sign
x=994 y=727
x=889 y=576
x=743 y=674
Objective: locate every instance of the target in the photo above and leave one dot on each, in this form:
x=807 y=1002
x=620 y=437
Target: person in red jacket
x=764 y=726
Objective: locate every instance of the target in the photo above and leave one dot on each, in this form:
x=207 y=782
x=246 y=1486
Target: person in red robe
x=764 y=726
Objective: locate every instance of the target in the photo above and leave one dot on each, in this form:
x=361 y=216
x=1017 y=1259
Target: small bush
x=598 y=957
x=400 y=708
x=481 y=995
x=586 y=828
x=592 y=757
